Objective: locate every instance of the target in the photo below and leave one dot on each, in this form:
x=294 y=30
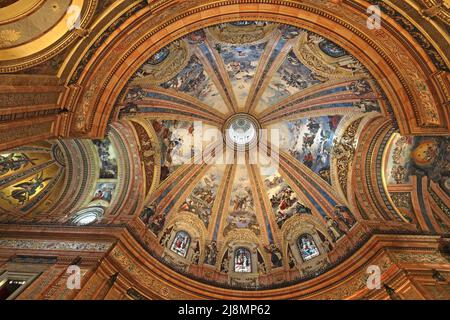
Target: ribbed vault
x=294 y=211
x=113 y=134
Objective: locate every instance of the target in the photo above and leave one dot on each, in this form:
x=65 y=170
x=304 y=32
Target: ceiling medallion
x=242 y=132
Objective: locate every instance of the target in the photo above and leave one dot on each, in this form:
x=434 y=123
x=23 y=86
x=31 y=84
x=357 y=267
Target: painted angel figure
x=27 y=189
x=14 y=162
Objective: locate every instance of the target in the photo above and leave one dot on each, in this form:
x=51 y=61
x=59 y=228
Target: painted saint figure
x=27 y=189
x=14 y=162
x=211 y=253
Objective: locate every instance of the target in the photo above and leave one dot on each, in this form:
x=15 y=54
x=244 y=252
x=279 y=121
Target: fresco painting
x=13 y=162
x=108 y=158
x=194 y=81
x=284 y=201
x=201 y=199
x=292 y=77
x=431 y=158
x=172 y=137
x=104 y=192
x=159 y=57
x=28 y=174
x=419 y=156
x=22 y=191
x=176 y=140
x=310 y=141
x=241 y=62
x=332 y=49
x=399 y=166
x=241 y=211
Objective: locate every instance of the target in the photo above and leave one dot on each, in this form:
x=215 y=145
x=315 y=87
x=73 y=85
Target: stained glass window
x=242 y=260
x=181 y=243
x=307 y=247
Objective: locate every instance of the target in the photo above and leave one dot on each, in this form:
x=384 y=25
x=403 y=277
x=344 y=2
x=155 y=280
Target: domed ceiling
x=241 y=222
x=247 y=155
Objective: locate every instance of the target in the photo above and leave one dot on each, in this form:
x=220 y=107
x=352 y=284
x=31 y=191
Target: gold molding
x=48 y=45
x=18 y=10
